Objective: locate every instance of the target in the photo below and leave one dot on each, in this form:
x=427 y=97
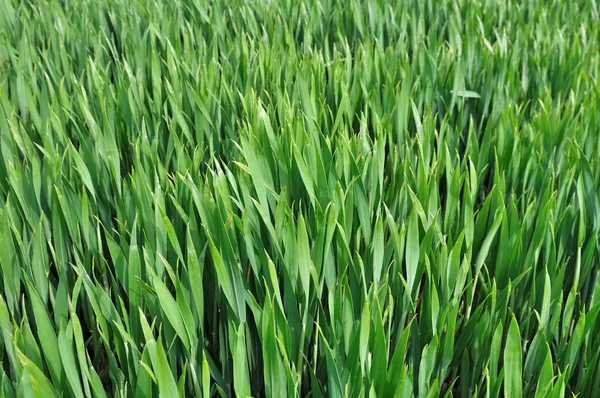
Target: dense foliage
x=291 y=198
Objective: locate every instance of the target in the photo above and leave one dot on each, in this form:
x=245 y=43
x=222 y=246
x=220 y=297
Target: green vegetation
x=290 y=198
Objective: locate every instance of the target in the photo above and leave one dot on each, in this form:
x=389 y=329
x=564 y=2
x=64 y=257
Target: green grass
x=292 y=198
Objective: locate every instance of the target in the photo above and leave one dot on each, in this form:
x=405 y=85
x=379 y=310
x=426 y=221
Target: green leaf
x=378 y=246
x=46 y=335
x=241 y=378
x=41 y=386
x=412 y=251
x=513 y=362
x=304 y=260
x=167 y=387
x=171 y=310
x=222 y=275
x=65 y=346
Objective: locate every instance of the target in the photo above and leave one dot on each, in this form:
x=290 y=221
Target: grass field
x=299 y=198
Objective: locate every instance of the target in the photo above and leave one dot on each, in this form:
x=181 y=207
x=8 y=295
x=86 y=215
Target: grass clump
x=280 y=198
